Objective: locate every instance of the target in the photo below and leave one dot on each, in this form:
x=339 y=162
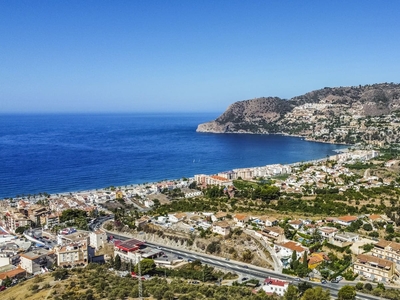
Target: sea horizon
x=69 y=152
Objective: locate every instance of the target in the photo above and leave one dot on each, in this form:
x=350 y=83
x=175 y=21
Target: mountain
x=340 y=115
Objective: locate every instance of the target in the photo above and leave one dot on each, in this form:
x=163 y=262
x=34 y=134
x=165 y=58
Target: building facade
x=374 y=268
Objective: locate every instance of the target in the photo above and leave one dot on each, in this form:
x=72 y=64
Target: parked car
x=2 y=288
x=323 y=281
x=338 y=278
x=334 y=281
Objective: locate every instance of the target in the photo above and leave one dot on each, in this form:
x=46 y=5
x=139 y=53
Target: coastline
x=189 y=179
x=81 y=153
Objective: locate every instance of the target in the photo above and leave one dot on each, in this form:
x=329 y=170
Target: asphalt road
x=248 y=270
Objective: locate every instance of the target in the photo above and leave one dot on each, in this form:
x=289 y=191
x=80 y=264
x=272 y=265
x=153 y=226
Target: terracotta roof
x=12 y=273
x=219 y=178
x=315 y=258
x=240 y=217
x=383 y=263
x=383 y=244
x=276 y=282
x=296 y=222
x=293 y=246
x=375 y=217
x=348 y=218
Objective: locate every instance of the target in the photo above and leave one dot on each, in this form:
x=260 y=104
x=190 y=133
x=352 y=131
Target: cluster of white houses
x=77 y=249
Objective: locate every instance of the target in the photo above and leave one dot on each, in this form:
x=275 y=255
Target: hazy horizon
x=157 y=56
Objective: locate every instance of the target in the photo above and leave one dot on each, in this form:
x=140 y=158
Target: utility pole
x=140 y=280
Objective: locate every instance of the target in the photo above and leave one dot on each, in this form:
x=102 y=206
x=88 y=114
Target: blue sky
x=144 y=56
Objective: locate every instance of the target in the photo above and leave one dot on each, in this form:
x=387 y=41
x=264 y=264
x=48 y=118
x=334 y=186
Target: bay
x=57 y=153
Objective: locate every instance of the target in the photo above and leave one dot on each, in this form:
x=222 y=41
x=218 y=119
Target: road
x=247 y=269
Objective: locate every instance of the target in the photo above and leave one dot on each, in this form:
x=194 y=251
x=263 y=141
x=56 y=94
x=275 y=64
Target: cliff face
x=313 y=115
x=249 y=116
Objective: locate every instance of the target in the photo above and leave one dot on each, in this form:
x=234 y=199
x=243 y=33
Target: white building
x=285 y=250
x=37 y=261
x=73 y=254
x=221 y=227
x=97 y=239
x=274 y=286
x=327 y=232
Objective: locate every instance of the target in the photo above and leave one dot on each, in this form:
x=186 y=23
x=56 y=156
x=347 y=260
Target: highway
x=247 y=269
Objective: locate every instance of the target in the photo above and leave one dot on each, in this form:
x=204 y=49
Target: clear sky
x=144 y=56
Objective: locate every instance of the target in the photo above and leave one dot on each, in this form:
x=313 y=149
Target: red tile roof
x=348 y=218
x=276 y=282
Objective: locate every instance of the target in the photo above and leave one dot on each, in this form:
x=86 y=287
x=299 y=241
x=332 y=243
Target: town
x=317 y=224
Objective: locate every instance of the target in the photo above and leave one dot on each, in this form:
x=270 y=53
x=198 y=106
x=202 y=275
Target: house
x=268 y=221
x=13 y=220
x=222 y=227
x=148 y=203
x=193 y=193
x=175 y=218
x=128 y=250
x=376 y=218
x=286 y=250
x=344 y=238
x=374 y=268
x=387 y=250
x=316 y=258
x=73 y=254
x=16 y=273
x=273 y=234
x=296 y=224
x=327 y=232
x=219 y=216
x=274 y=286
x=37 y=261
x=52 y=220
x=142 y=221
x=240 y=219
x=346 y=220
x=97 y=239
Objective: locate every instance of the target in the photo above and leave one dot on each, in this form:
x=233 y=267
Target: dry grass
x=24 y=290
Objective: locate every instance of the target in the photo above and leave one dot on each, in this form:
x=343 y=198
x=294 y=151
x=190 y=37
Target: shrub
x=368 y=286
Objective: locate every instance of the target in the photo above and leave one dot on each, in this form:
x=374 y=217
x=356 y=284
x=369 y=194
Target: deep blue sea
x=74 y=152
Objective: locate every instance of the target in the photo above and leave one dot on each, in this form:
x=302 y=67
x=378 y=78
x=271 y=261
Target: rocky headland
x=369 y=113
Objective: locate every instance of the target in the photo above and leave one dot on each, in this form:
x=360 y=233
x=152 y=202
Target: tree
x=169 y=295
x=117 y=262
x=389 y=228
x=368 y=286
x=147 y=266
x=292 y=293
x=304 y=286
x=316 y=293
x=347 y=293
x=305 y=260
x=20 y=229
x=60 y=274
x=214 y=247
x=367 y=227
x=359 y=286
x=7 y=281
x=294 y=258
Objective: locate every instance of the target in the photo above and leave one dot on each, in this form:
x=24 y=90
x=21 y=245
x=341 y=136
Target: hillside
x=367 y=113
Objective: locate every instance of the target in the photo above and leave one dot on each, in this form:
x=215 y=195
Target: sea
x=58 y=153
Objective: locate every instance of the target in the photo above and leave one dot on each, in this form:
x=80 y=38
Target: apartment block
x=374 y=268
